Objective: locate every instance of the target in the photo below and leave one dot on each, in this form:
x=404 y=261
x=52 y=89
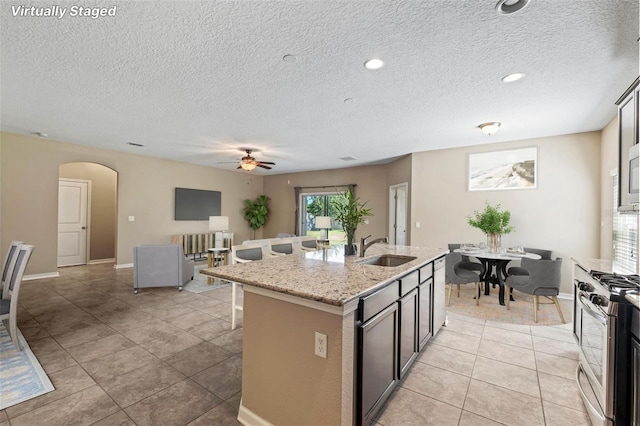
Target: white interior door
x=398 y=214
x=72 y=222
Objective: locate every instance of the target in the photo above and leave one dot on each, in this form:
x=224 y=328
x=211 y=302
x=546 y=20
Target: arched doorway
x=87 y=213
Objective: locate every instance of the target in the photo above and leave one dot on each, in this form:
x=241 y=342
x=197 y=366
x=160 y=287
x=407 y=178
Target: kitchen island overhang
x=287 y=299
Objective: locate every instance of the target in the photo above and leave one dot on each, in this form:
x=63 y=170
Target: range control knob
x=596 y=299
x=585 y=286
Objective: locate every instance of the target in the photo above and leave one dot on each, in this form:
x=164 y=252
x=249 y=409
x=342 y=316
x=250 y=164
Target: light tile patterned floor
x=169 y=357
x=477 y=372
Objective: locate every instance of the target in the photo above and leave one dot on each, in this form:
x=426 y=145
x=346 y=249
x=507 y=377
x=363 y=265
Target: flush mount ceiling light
x=513 y=77
x=489 y=128
x=374 y=64
x=290 y=58
x=506 y=7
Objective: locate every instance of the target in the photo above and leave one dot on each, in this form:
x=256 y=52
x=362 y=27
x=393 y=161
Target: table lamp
x=218 y=224
x=323 y=223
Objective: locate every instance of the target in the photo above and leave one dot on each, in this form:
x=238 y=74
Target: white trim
x=565 y=296
x=297 y=300
x=392 y=211
x=99 y=261
x=122 y=265
x=40 y=276
x=249 y=418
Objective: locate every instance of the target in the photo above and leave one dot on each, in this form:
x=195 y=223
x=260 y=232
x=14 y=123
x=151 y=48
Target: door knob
x=84 y=227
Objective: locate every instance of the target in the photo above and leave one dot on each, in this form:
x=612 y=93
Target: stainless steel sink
x=387 y=260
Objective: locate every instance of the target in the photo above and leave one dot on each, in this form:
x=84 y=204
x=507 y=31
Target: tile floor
x=164 y=357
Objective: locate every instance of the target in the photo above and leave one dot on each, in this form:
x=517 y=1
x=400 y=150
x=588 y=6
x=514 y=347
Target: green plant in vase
x=349 y=213
x=256 y=212
x=493 y=222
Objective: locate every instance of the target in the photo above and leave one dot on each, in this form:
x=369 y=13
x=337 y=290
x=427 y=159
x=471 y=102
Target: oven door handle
x=586 y=401
x=601 y=318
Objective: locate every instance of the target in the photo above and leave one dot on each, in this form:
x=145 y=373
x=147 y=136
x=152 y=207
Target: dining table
x=495 y=262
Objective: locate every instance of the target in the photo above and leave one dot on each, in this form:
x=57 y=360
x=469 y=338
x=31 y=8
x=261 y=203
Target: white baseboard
x=40 y=276
x=249 y=418
x=99 y=261
x=123 y=265
x=565 y=296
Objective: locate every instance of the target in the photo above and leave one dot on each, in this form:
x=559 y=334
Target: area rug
x=521 y=311
x=199 y=282
x=21 y=375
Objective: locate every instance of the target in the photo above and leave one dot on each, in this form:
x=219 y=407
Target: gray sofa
x=160 y=266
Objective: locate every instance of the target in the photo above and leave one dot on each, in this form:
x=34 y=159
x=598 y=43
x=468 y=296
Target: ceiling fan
x=249 y=163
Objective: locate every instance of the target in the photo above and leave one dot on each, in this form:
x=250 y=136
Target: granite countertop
x=588 y=265
x=325 y=275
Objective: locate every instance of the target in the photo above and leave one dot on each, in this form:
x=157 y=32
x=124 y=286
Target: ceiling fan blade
x=239 y=167
x=266 y=162
x=263 y=166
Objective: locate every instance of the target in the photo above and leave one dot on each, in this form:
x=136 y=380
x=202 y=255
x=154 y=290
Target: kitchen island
x=289 y=299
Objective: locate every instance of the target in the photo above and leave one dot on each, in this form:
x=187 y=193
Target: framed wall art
x=505 y=169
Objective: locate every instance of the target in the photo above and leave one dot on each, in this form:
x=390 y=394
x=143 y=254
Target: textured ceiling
x=194 y=81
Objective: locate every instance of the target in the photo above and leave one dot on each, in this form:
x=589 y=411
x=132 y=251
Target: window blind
x=625 y=237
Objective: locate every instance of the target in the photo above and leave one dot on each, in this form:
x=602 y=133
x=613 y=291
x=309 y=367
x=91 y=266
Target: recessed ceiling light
x=290 y=58
x=513 y=77
x=490 y=127
x=505 y=7
x=41 y=135
x=348 y=101
x=347 y=158
x=374 y=64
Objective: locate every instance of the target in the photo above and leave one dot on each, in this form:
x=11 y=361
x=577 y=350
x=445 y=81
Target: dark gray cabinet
x=408 y=331
x=628 y=136
x=378 y=359
x=425 y=290
x=392 y=325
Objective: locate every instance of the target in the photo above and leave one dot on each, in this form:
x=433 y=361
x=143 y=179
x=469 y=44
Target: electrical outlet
x=321 y=345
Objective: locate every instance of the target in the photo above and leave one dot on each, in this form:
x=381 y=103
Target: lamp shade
x=218 y=223
x=323 y=222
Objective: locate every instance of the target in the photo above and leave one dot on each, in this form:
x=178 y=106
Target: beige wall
x=562 y=214
x=103 y=209
x=371 y=187
x=29 y=187
x=283 y=381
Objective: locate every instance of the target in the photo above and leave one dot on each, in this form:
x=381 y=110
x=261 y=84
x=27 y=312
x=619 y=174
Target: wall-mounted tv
x=196 y=204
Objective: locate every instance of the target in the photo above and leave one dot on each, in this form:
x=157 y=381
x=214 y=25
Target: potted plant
x=493 y=222
x=349 y=213
x=256 y=212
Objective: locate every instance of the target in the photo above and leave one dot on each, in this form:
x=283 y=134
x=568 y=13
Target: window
x=319 y=204
x=625 y=237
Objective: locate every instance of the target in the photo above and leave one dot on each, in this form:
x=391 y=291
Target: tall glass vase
x=493 y=242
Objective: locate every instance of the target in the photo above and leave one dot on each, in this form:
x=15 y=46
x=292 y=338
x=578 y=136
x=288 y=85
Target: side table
x=217 y=256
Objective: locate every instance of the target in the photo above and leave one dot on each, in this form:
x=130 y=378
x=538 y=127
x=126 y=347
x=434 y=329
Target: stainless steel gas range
x=602 y=327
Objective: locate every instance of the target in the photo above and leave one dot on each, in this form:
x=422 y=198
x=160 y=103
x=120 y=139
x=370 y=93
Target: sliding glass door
x=319 y=204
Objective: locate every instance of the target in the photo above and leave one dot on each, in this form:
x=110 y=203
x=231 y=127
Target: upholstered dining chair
x=542 y=278
x=281 y=248
x=242 y=253
x=455 y=274
x=11 y=253
x=9 y=305
x=519 y=270
x=466 y=262
x=308 y=243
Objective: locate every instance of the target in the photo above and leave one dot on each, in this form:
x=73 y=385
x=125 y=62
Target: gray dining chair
x=466 y=262
x=542 y=278
x=519 y=270
x=9 y=305
x=456 y=274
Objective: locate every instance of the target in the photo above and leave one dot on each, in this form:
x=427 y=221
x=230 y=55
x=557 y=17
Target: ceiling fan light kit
x=249 y=163
x=490 y=127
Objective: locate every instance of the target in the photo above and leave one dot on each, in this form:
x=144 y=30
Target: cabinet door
x=408 y=331
x=378 y=355
x=424 y=313
x=439 y=309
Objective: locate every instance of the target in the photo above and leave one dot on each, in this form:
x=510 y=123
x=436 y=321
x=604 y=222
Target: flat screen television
x=196 y=204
